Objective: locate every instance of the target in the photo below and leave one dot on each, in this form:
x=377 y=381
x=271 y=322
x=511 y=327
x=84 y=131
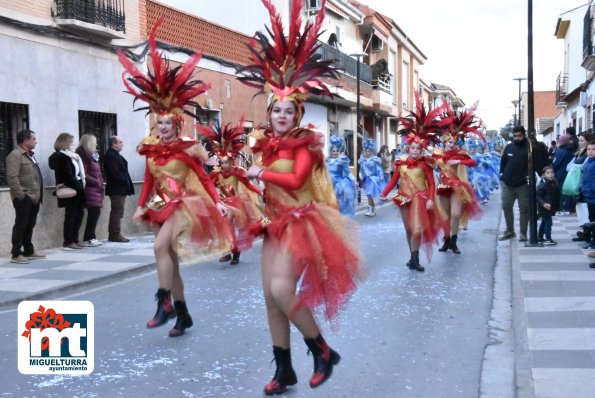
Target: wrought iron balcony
x=344 y=62
x=107 y=13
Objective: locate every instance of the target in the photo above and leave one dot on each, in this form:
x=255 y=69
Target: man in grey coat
x=26 y=191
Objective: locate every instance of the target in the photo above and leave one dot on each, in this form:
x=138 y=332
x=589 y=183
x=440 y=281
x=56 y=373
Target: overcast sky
x=478 y=47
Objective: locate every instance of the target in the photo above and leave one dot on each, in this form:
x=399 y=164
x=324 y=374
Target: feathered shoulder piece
x=288 y=66
x=224 y=142
x=422 y=126
x=166 y=90
x=462 y=123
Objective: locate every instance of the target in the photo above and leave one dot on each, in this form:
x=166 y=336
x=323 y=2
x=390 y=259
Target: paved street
x=404 y=334
x=445 y=333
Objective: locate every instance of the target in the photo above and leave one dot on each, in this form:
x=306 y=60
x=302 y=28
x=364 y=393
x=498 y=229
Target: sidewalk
x=73 y=271
x=553 y=292
x=66 y=272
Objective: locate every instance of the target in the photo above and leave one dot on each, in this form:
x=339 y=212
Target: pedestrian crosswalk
x=558 y=290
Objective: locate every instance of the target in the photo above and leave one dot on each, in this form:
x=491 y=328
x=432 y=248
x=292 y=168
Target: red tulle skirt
x=470 y=208
x=427 y=224
x=324 y=250
x=199 y=228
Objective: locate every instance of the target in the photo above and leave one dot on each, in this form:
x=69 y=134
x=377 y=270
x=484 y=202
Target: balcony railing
x=345 y=62
x=382 y=82
x=107 y=13
x=561 y=87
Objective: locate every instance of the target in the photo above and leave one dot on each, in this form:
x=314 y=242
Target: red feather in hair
x=166 y=90
x=224 y=141
x=288 y=66
x=462 y=123
x=423 y=126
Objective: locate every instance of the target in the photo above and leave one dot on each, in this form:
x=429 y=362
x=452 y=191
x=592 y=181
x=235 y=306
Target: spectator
x=386 y=163
x=87 y=150
x=548 y=199
x=540 y=157
x=118 y=186
x=513 y=174
x=577 y=162
x=551 y=150
x=562 y=157
x=26 y=191
x=69 y=171
x=588 y=188
x=573 y=139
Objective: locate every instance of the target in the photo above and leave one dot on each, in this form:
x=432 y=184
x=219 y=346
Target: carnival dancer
x=238 y=193
x=455 y=194
x=415 y=196
x=371 y=175
x=307 y=238
x=343 y=181
x=185 y=210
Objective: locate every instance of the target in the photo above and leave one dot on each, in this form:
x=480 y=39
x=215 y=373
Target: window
x=405 y=85
x=102 y=126
x=227 y=89
x=377 y=44
x=205 y=116
x=312 y=5
x=13 y=118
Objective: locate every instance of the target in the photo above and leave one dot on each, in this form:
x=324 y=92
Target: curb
x=497 y=377
x=77 y=287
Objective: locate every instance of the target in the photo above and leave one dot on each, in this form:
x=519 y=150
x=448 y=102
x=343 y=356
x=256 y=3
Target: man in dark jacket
x=118 y=186
x=513 y=174
x=26 y=192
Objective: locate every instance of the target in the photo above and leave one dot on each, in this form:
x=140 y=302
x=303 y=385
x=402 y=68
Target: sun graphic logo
x=56 y=337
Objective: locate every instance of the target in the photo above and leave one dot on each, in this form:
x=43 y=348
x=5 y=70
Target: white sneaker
x=93 y=243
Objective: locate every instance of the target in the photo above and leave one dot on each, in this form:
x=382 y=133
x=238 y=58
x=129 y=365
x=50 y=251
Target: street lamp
x=358 y=109
x=520 y=119
x=515 y=103
x=531 y=131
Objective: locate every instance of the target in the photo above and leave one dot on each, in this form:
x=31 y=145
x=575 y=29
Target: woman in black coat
x=68 y=169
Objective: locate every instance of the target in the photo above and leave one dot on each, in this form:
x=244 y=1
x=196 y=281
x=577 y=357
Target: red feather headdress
x=288 y=67
x=165 y=90
x=462 y=123
x=421 y=126
x=224 y=142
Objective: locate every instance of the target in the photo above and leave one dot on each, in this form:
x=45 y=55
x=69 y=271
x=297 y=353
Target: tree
x=506 y=131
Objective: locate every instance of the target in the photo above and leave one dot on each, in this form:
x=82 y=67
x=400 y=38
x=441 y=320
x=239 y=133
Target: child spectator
x=548 y=198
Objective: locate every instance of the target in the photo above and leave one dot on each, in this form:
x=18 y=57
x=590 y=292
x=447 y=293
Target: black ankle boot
x=453 y=245
x=235 y=259
x=284 y=375
x=446 y=244
x=165 y=310
x=184 y=320
x=324 y=360
x=225 y=258
x=414 y=262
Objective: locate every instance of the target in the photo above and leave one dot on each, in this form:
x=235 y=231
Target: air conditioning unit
x=583 y=99
x=313 y=5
